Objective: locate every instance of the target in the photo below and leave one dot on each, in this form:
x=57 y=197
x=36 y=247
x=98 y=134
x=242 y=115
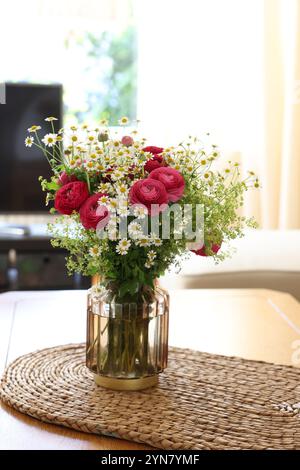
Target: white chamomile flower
x=111 y=228
x=51 y=118
x=97 y=289
x=49 y=139
x=95 y=251
x=155 y=240
x=113 y=221
x=123 y=121
x=106 y=188
x=123 y=202
x=29 y=141
x=74 y=138
x=89 y=165
x=112 y=205
x=140 y=211
x=103 y=200
x=116 y=144
x=34 y=128
x=112 y=234
x=103 y=122
x=143 y=242
x=72 y=163
x=134 y=229
x=151 y=255
x=91 y=138
x=123 y=246
x=123 y=211
x=116 y=175
x=122 y=189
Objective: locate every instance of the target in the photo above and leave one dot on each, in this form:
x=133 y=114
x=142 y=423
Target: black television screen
x=20 y=167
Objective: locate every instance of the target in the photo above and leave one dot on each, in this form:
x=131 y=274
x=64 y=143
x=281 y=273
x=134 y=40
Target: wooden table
x=254 y=324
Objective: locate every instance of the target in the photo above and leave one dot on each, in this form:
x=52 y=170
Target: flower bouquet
x=126 y=213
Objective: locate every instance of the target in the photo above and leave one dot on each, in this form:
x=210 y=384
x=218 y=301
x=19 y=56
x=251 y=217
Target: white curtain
x=230 y=67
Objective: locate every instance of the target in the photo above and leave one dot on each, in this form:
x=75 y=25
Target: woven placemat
x=203 y=401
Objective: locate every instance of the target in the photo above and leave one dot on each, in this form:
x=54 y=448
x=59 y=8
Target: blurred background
x=228 y=67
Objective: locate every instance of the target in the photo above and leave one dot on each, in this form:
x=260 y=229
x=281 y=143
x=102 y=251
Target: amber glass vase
x=127 y=338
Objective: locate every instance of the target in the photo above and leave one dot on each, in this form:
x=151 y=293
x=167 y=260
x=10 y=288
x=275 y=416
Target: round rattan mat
x=203 y=401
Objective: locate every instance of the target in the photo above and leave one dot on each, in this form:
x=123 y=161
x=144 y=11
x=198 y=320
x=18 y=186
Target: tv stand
x=27 y=259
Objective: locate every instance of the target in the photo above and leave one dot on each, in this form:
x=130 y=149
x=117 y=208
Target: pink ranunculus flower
x=127 y=140
x=172 y=180
x=64 y=178
x=149 y=193
x=90 y=213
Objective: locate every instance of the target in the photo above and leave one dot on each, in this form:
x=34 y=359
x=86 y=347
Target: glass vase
x=127 y=338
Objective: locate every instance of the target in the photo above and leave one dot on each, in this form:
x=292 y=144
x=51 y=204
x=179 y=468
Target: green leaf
x=131 y=287
x=52 y=186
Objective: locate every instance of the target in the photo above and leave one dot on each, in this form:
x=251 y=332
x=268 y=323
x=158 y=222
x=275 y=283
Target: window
x=89 y=46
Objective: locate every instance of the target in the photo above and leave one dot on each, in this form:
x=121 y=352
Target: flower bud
x=102 y=136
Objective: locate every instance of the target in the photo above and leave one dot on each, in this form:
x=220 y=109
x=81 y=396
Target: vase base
x=126 y=384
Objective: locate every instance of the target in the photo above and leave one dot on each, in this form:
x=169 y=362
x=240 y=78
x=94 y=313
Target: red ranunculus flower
x=70 y=197
x=91 y=213
x=64 y=178
x=171 y=179
x=202 y=251
x=156 y=162
x=152 y=149
x=150 y=193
